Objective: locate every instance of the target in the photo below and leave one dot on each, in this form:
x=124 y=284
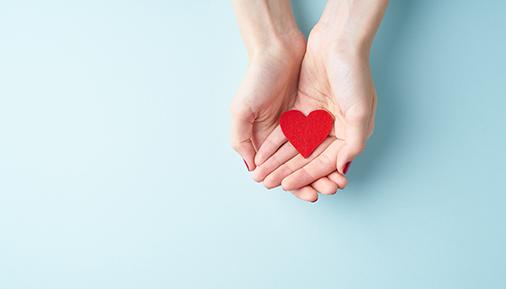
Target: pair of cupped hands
x=292 y=73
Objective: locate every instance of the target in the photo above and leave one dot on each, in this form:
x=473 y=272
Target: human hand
x=335 y=76
x=270 y=85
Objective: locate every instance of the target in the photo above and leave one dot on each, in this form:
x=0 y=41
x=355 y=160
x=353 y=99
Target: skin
x=333 y=75
x=275 y=49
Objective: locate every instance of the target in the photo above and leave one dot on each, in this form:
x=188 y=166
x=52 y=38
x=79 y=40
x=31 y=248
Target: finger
x=274 y=179
x=308 y=194
x=284 y=154
x=339 y=179
x=356 y=133
x=241 y=133
x=320 y=167
x=270 y=145
x=325 y=186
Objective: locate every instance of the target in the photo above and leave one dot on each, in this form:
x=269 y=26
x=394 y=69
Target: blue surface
x=115 y=169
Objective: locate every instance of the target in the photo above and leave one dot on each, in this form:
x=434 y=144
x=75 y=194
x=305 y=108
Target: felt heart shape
x=306 y=133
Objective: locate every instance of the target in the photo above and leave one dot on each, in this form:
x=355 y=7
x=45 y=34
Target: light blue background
x=115 y=169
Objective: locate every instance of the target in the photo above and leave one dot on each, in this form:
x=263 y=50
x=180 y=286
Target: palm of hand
x=268 y=89
x=342 y=86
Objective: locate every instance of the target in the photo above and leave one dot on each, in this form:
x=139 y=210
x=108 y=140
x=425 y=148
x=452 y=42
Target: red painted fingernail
x=246 y=164
x=346 y=167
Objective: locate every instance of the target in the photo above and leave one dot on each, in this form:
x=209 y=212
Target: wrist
x=267 y=26
x=342 y=43
x=290 y=45
x=350 y=26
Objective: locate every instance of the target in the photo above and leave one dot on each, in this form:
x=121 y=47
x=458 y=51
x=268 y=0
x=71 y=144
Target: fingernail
x=346 y=167
x=246 y=164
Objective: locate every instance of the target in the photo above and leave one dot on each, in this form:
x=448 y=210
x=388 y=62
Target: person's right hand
x=268 y=89
x=275 y=48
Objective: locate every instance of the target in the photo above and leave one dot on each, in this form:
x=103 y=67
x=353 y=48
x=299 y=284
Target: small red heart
x=306 y=133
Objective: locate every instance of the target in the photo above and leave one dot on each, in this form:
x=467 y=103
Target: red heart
x=306 y=133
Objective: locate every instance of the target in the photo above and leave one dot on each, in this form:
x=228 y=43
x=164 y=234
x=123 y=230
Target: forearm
x=266 y=24
x=352 y=24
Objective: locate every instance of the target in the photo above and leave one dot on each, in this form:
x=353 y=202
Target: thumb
x=241 y=135
x=356 y=134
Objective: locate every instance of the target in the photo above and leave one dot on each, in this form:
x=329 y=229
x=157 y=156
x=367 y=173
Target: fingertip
x=247 y=152
x=344 y=160
x=343 y=183
x=270 y=183
x=325 y=186
x=246 y=164
x=346 y=167
x=250 y=164
x=308 y=194
x=258 y=174
x=351 y=149
x=339 y=179
x=343 y=167
x=287 y=185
